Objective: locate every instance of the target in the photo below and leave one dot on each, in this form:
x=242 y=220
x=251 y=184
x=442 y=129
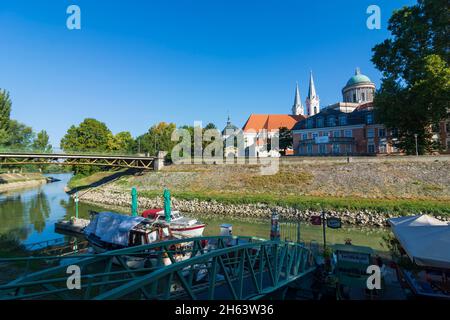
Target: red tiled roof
x=271 y=122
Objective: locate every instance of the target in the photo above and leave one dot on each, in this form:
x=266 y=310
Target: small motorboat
x=180 y=226
x=111 y=231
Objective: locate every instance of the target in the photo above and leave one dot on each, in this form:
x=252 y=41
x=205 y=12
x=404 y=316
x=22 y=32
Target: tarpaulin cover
x=112 y=227
x=425 y=239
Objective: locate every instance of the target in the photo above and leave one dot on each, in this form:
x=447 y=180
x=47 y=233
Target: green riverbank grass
x=398 y=206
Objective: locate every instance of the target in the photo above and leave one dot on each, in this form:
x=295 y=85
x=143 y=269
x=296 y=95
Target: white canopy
x=425 y=239
x=112 y=227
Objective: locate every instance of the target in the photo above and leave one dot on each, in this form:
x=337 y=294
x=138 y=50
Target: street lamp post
x=417 y=148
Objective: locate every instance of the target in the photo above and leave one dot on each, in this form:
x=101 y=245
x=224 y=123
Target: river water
x=30 y=215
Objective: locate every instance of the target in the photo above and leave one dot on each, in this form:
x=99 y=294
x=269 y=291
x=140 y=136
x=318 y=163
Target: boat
x=180 y=226
x=112 y=231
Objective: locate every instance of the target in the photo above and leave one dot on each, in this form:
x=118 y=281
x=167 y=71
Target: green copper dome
x=358 y=78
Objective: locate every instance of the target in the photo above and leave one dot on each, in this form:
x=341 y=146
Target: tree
x=285 y=138
x=91 y=136
x=5 y=112
x=414 y=93
x=20 y=136
x=158 y=138
x=123 y=142
x=41 y=142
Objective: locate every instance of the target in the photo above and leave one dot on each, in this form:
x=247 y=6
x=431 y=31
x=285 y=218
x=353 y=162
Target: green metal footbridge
x=234 y=268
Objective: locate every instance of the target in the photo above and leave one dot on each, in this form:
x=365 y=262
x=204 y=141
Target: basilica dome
x=359 y=89
x=357 y=79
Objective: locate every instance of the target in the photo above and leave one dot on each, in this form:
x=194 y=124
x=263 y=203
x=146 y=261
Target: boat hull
x=187 y=232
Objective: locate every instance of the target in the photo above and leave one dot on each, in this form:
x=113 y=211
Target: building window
x=381 y=132
x=314 y=135
x=309 y=148
x=371 y=148
x=354 y=97
x=363 y=96
x=322 y=148
x=342 y=120
x=332 y=121
x=336 y=148
x=305 y=136
x=369 y=118
x=336 y=134
x=310 y=123
x=320 y=122
x=349 y=148
x=370 y=133
x=348 y=133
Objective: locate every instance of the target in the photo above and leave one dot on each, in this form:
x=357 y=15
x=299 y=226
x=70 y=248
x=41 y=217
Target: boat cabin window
x=136 y=239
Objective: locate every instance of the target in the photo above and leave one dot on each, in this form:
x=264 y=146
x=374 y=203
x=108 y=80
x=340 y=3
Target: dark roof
x=358 y=116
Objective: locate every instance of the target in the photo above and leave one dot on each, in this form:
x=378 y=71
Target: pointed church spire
x=312 y=101
x=312 y=87
x=297 y=108
x=297 y=95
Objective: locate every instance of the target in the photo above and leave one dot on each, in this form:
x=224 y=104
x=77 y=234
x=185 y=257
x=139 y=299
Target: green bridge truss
x=237 y=268
x=78 y=159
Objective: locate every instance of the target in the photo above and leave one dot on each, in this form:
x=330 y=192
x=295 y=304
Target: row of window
x=335 y=134
x=332 y=121
x=337 y=148
x=347 y=134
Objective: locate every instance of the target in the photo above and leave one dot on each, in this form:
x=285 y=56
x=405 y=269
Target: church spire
x=312 y=87
x=312 y=101
x=297 y=108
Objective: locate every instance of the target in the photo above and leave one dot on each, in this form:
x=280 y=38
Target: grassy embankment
x=402 y=188
x=15 y=181
x=78 y=181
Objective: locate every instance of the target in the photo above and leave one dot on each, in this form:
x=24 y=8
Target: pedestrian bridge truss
x=214 y=268
x=131 y=161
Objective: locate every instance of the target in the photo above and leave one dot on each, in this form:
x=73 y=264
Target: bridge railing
x=65 y=152
x=218 y=270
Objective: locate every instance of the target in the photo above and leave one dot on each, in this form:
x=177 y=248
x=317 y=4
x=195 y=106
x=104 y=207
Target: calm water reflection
x=30 y=216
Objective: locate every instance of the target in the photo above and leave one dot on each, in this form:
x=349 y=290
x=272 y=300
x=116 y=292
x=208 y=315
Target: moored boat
x=180 y=226
x=111 y=231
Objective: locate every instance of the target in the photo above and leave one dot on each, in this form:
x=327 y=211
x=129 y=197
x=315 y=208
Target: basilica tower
x=297 y=108
x=312 y=101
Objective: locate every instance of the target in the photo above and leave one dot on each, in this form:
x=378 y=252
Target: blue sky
x=135 y=63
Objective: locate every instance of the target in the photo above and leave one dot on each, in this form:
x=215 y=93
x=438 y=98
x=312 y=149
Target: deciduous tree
x=414 y=94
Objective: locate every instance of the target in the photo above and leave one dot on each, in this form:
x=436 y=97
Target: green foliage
x=415 y=90
x=285 y=138
x=90 y=135
x=41 y=142
x=158 y=138
x=5 y=112
x=20 y=136
x=123 y=142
